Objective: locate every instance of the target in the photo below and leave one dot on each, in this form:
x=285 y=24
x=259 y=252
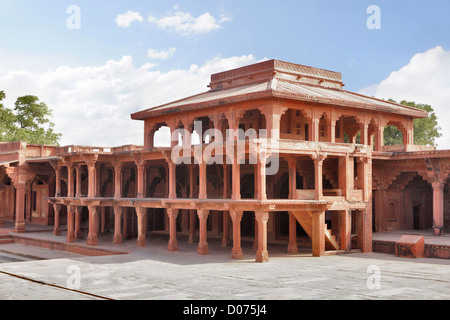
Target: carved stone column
x=70 y=224
x=318 y=176
x=292 y=246
x=118 y=179
x=236 y=218
x=92 y=239
x=56 y=226
x=318 y=233
x=78 y=233
x=117 y=224
x=141 y=227
x=173 y=243
x=438 y=208
x=262 y=255
x=203 y=243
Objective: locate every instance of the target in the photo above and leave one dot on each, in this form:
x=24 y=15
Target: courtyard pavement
x=153 y=273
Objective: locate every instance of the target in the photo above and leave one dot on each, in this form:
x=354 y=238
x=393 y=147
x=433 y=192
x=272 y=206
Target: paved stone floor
x=153 y=273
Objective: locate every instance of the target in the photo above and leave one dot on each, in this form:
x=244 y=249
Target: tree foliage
x=426 y=130
x=29 y=121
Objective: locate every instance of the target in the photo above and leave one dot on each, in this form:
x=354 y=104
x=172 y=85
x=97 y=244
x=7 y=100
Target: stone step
x=3 y=241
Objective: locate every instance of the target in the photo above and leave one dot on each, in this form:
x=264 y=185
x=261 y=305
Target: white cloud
x=92 y=105
x=185 y=24
x=154 y=54
x=425 y=79
x=126 y=19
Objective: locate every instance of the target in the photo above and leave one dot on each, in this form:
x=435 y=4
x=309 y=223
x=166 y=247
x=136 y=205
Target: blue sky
x=37 y=47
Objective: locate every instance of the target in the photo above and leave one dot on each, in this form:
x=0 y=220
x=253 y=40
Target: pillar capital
x=319 y=158
x=438 y=185
x=236 y=216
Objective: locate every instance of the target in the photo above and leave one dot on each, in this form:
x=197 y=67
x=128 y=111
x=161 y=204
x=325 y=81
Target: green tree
x=30 y=122
x=426 y=130
x=7 y=119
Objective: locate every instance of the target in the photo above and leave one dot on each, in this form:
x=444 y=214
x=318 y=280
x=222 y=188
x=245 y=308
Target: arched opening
x=198 y=130
x=250 y=125
x=294 y=125
x=394 y=134
x=348 y=129
x=161 y=136
x=324 y=128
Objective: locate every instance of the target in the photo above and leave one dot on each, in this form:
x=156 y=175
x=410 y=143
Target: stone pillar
x=332 y=131
x=318 y=233
x=141 y=226
x=225 y=228
x=192 y=224
x=236 y=180
x=438 y=208
x=315 y=130
x=78 y=181
x=70 y=184
x=172 y=179
x=318 y=176
x=92 y=239
x=379 y=139
x=192 y=213
x=103 y=220
x=236 y=218
x=20 y=208
x=292 y=162
x=56 y=226
x=261 y=172
x=125 y=223
x=226 y=181
x=92 y=177
x=365 y=134
x=173 y=243
x=203 y=243
x=345 y=219
x=292 y=246
x=78 y=233
x=202 y=181
x=344 y=179
x=117 y=224
x=363 y=228
x=140 y=166
x=70 y=223
x=262 y=255
x=118 y=180
x=57 y=181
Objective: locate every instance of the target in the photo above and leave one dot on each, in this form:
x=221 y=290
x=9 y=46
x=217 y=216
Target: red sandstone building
x=332 y=193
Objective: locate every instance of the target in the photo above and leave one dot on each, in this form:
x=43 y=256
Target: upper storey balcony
x=289 y=101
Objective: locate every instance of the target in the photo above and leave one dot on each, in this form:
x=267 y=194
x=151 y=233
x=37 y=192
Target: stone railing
x=12 y=146
x=407 y=148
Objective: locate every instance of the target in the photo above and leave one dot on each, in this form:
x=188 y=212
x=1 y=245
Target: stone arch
x=251 y=122
x=347 y=128
x=160 y=135
x=295 y=125
x=395 y=133
x=201 y=124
